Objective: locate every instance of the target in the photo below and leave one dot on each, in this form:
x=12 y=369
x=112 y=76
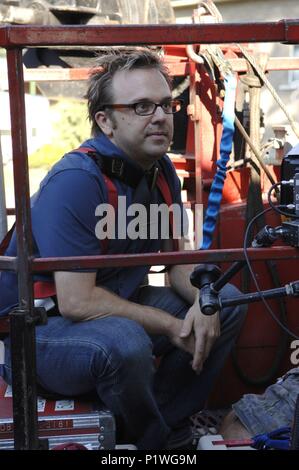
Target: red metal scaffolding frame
x=22 y=320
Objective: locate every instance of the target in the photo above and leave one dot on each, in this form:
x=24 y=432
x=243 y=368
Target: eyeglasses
x=146 y=108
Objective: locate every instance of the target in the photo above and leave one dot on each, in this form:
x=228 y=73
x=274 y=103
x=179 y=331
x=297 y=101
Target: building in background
x=241 y=10
x=37 y=118
x=39 y=132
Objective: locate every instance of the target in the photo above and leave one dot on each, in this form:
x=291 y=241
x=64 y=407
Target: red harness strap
x=43 y=289
x=112 y=200
x=112 y=196
x=167 y=196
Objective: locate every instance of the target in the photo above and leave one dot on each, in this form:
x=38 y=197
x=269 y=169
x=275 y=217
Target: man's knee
x=132 y=354
x=232 y=428
x=233 y=314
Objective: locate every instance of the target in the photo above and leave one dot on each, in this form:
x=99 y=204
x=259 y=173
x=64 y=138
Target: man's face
x=143 y=138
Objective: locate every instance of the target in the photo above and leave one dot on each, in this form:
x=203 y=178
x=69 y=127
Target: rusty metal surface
x=153 y=259
x=169 y=258
x=13 y=38
x=175 y=68
x=22 y=335
x=277 y=31
x=22 y=329
x=274 y=63
x=8 y=263
x=59 y=74
x=21 y=178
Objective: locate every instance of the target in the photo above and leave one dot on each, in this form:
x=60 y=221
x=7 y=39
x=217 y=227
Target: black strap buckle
x=117 y=167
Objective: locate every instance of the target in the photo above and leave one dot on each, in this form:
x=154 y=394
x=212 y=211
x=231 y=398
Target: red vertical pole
x=194 y=112
x=22 y=318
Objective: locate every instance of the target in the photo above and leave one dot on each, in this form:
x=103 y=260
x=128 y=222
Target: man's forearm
x=103 y=302
x=179 y=278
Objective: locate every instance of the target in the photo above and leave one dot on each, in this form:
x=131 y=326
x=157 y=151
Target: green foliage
x=69 y=129
x=46 y=156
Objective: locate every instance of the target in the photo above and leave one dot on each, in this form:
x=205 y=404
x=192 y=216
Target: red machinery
x=263 y=350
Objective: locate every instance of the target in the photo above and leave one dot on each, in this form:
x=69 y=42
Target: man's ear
x=104 y=122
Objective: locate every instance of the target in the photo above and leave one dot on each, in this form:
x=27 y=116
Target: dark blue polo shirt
x=64 y=220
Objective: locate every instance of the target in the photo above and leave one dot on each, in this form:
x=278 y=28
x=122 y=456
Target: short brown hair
x=100 y=89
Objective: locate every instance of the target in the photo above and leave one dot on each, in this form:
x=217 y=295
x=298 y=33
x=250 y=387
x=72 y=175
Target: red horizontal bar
x=273 y=64
x=8 y=263
x=10 y=211
x=179 y=68
x=278 y=31
x=169 y=258
x=291 y=28
x=233 y=442
x=59 y=74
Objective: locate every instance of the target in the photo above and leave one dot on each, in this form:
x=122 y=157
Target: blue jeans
x=114 y=356
x=275 y=408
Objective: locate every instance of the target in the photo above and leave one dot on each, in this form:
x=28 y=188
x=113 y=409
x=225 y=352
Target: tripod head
x=208 y=277
x=203 y=277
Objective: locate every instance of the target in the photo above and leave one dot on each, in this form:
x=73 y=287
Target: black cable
x=253 y=207
x=254 y=277
x=275 y=207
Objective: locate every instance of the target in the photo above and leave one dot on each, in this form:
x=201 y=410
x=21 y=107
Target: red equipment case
x=62 y=421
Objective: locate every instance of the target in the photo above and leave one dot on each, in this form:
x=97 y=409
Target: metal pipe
x=171 y=258
x=229 y=273
x=255 y=297
x=8 y=263
x=198 y=59
x=214 y=33
x=254 y=150
x=22 y=324
x=3 y=216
